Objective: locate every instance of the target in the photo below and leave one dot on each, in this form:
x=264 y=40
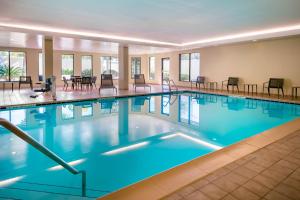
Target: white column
x=123 y=67
x=48 y=57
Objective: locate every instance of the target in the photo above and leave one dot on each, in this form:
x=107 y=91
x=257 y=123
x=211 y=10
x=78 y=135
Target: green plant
x=86 y=72
x=13 y=72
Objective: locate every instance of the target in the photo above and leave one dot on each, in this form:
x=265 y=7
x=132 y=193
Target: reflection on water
x=146 y=134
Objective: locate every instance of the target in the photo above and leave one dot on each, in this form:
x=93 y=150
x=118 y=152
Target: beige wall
x=253 y=62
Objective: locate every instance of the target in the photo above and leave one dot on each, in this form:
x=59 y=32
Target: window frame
x=190 y=66
x=92 y=64
x=61 y=67
x=9 y=67
x=149 y=68
x=110 y=59
x=131 y=66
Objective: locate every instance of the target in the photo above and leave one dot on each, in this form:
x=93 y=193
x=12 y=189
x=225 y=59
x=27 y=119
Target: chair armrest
x=265 y=83
x=224 y=82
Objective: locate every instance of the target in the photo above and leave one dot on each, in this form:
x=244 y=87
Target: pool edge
x=165 y=183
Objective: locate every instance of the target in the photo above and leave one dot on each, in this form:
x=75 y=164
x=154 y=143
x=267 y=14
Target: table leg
x=12 y=86
x=256 y=89
x=248 y=89
x=296 y=92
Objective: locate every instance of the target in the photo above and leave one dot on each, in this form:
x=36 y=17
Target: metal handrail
x=30 y=140
x=173 y=85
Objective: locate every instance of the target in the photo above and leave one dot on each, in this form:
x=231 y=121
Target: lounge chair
x=107 y=82
x=25 y=80
x=200 y=80
x=233 y=82
x=274 y=83
x=139 y=81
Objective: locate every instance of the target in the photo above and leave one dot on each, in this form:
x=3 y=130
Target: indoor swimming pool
x=121 y=141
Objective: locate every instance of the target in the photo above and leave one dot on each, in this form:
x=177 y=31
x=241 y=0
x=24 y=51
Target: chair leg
x=278 y=93
x=282 y=92
x=227 y=88
x=19 y=86
x=269 y=91
x=238 y=88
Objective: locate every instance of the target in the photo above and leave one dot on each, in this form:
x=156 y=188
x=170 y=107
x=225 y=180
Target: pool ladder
x=170 y=83
x=30 y=140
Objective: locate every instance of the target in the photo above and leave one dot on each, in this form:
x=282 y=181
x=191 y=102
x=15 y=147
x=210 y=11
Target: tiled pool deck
x=266 y=166
x=22 y=97
x=272 y=173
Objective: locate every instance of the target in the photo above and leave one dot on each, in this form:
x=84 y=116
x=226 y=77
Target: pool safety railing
x=170 y=84
x=30 y=140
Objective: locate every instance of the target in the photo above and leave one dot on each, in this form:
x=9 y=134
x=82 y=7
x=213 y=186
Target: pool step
x=38 y=189
x=14 y=194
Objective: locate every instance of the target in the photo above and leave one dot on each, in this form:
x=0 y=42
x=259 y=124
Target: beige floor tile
x=226 y=184
x=200 y=183
x=287 y=164
x=266 y=181
x=273 y=195
x=256 y=188
x=292 y=183
x=213 y=192
x=197 y=196
x=296 y=174
x=229 y=197
x=274 y=174
x=288 y=191
x=186 y=191
x=243 y=171
x=255 y=167
x=218 y=173
x=173 y=197
x=244 y=194
x=236 y=178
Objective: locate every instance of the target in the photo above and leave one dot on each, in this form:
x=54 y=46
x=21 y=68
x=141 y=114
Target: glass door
x=165 y=71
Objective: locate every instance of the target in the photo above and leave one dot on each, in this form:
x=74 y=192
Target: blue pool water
x=122 y=141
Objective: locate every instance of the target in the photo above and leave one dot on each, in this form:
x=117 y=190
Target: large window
x=41 y=68
x=86 y=66
x=12 y=65
x=110 y=65
x=151 y=68
x=189 y=66
x=67 y=66
x=135 y=66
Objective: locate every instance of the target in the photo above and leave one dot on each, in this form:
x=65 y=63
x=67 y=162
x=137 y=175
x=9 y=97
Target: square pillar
x=123 y=67
x=47 y=57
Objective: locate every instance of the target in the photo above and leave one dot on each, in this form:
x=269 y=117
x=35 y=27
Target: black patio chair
x=200 y=80
x=86 y=81
x=25 y=80
x=233 y=82
x=274 y=83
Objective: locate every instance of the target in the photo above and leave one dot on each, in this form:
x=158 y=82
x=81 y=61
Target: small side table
x=8 y=82
x=250 y=86
x=294 y=91
x=212 y=85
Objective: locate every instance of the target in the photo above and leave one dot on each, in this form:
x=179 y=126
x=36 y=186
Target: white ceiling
x=173 y=21
x=30 y=40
